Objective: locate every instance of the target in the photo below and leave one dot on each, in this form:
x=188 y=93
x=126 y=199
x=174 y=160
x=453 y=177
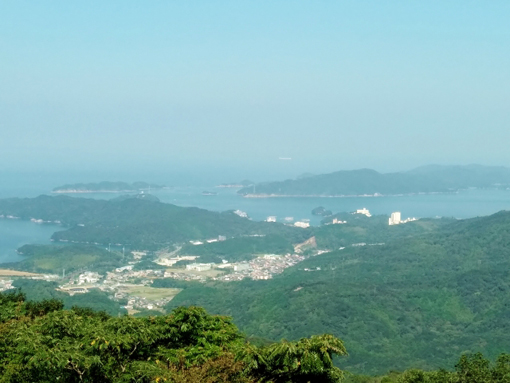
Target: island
x=106 y=187
x=370 y=183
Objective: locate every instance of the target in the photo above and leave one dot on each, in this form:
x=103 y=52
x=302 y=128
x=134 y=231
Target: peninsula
x=370 y=183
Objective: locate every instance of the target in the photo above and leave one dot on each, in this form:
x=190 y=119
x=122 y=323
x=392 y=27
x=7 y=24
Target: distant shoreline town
x=342 y=195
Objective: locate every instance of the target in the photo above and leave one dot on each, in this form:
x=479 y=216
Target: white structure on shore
x=396 y=219
x=364 y=211
x=241 y=213
x=302 y=224
x=271 y=218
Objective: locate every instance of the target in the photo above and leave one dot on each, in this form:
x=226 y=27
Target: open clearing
x=150 y=293
x=208 y=273
x=15 y=273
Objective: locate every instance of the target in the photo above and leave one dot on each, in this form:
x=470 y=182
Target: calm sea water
x=15 y=233
x=464 y=204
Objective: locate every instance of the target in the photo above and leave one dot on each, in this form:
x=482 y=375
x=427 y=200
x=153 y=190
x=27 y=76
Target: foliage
x=138 y=223
x=36 y=290
x=41 y=342
x=75 y=257
x=416 y=301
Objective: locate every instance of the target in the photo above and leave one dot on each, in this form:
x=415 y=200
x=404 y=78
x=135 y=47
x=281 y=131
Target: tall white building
x=395 y=218
x=364 y=211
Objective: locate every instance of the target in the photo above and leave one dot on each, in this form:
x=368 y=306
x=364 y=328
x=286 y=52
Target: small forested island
x=367 y=182
x=106 y=187
x=321 y=211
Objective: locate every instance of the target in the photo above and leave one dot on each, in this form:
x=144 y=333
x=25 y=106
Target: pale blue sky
x=181 y=84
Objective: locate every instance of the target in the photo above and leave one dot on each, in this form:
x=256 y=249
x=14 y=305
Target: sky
x=231 y=86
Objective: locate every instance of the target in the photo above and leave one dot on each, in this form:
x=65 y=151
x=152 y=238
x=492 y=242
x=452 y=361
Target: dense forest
x=40 y=341
x=426 y=179
x=413 y=302
x=138 y=223
x=73 y=257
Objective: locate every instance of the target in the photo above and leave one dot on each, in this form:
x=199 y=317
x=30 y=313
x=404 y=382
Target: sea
x=463 y=204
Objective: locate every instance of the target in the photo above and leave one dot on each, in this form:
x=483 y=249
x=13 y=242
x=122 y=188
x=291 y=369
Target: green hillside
x=413 y=302
x=139 y=223
x=74 y=257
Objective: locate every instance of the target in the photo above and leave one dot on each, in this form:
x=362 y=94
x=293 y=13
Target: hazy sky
x=179 y=84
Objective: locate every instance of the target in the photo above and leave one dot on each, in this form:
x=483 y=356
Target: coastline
x=341 y=195
x=72 y=191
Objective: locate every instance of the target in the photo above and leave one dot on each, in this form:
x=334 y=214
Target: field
x=208 y=273
x=15 y=273
x=150 y=293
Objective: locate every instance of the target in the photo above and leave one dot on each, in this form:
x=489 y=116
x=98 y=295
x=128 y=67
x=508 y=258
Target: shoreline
x=76 y=191
x=341 y=195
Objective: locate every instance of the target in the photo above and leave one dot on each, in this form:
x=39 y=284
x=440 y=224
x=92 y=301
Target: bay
x=15 y=233
x=463 y=204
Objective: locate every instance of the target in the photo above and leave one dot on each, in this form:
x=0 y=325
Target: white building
x=302 y=224
x=199 y=266
x=88 y=277
x=271 y=218
x=364 y=211
x=337 y=221
x=395 y=218
x=241 y=213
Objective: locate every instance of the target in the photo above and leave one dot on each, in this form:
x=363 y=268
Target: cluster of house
x=6 y=284
x=304 y=223
x=142 y=303
x=263 y=267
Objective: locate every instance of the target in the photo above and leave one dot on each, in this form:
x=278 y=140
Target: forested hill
x=425 y=179
x=413 y=302
x=105 y=186
x=140 y=223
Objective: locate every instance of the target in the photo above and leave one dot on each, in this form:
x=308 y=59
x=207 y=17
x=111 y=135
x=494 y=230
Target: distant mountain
x=105 y=186
x=426 y=179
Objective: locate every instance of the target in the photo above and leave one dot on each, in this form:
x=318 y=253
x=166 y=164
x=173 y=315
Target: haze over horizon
x=230 y=87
